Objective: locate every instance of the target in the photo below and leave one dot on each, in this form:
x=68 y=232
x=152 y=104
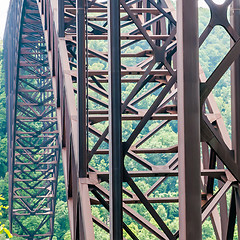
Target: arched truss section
x=33 y=148
x=149 y=93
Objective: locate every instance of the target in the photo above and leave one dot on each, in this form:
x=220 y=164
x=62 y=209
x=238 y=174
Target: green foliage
x=61 y=220
x=3 y=228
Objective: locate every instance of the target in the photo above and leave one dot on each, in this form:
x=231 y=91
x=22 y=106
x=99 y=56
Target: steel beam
x=115 y=123
x=61 y=18
x=235 y=88
x=188 y=121
x=81 y=81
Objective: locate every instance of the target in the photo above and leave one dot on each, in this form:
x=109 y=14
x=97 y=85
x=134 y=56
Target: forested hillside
x=211 y=53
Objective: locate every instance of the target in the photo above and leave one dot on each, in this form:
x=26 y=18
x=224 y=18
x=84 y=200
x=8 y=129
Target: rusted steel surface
x=123 y=98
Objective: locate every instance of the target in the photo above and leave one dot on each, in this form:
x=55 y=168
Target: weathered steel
x=110 y=118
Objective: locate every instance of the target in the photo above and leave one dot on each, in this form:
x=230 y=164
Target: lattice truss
x=149 y=106
x=36 y=149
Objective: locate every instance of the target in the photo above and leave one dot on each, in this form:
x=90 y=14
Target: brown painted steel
x=34 y=154
x=57 y=54
x=188 y=121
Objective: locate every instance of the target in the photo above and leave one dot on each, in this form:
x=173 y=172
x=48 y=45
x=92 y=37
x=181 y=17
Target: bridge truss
x=104 y=98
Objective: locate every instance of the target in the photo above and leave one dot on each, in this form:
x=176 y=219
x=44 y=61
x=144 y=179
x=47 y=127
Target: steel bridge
x=98 y=83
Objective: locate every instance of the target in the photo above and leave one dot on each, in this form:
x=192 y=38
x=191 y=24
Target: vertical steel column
x=61 y=18
x=235 y=93
x=81 y=87
x=188 y=121
x=10 y=72
x=115 y=129
x=235 y=86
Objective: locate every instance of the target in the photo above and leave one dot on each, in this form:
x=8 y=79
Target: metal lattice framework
x=144 y=78
x=33 y=162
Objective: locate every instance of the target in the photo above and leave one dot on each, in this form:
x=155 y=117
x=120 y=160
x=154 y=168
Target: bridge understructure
x=102 y=83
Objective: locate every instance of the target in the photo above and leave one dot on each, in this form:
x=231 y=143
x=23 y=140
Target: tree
x=3 y=229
